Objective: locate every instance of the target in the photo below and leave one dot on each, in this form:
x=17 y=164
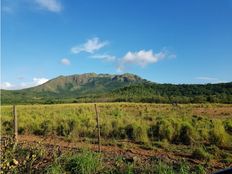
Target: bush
x=85 y=163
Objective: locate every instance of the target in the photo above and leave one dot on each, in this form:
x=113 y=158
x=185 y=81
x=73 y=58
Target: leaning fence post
x=98 y=127
x=15 y=124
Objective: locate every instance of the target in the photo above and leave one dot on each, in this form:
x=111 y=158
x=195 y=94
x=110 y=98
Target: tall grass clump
x=217 y=135
x=200 y=154
x=140 y=133
x=44 y=128
x=162 y=168
x=186 y=134
x=84 y=163
x=228 y=126
x=184 y=168
x=118 y=131
x=65 y=128
x=162 y=130
x=137 y=132
x=54 y=169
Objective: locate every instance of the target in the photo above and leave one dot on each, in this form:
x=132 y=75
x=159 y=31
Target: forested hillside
x=93 y=87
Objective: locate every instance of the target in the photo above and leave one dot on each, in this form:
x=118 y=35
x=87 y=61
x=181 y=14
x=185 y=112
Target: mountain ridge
x=92 y=87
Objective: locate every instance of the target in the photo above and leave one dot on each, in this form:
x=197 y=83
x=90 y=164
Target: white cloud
x=104 y=57
x=6 y=85
x=90 y=46
x=35 y=82
x=50 y=5
x=65 y=61
x=141 y=58
x=39 y=81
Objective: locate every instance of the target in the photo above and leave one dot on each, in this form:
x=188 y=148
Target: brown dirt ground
x=111 y=151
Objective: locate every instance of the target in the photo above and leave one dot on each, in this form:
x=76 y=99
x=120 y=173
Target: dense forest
x=169 y=93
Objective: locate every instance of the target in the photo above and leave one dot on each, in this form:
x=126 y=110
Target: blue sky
x=165 y=41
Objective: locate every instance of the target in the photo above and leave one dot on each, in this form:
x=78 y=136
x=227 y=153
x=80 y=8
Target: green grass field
x=202 y=131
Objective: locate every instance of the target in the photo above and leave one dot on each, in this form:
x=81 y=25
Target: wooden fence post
x=15 y=124
x=98 y=127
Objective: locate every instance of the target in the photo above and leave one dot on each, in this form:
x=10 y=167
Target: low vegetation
x=37 y=158
x=202 y=131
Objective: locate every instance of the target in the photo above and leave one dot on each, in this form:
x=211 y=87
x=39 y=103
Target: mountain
x=87 y=83
x=70 y=88
x=93 y=87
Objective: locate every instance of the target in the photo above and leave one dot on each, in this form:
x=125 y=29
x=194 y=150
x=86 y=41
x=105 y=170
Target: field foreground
x=136 y=138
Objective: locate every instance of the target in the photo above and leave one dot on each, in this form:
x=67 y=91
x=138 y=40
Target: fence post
x=15 y=124
x=98 y=127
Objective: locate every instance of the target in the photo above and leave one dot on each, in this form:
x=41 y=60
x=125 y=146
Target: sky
x=164 y=41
